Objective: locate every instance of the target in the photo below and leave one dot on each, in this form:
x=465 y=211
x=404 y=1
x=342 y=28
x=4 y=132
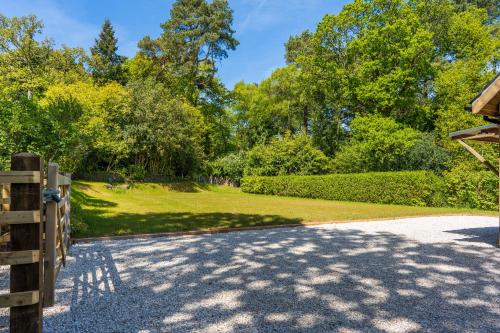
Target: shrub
x=376 y=144
x=135 y=172
x=471 y=189
x=381 y=144
x=229 y=167
x=427 y=155
x=287 y=156
x=415 y=188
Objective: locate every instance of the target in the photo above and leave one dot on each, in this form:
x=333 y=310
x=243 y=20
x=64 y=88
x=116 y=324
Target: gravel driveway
x=436 y=274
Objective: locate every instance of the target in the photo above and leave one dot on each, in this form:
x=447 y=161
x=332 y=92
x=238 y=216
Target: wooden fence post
x=50 y=238
x=26 y=277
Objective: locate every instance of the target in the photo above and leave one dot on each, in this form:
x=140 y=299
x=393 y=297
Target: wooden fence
x=34 y=238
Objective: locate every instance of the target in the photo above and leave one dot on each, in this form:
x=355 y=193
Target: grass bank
x=155 y=208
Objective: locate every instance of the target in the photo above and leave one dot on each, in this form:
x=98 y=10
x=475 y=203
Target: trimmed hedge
x=415 y=188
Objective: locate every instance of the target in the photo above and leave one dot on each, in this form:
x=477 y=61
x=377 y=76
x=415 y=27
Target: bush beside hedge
x=478 y=189
x=415 y=188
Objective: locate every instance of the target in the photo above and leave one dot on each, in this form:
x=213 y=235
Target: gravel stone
x=432 y=274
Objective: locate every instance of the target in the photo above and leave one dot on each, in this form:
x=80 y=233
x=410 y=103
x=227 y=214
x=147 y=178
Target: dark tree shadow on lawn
x=123 y=224
x=80 y=197
x=280 y=280
x=101 y=224
x=188 y=187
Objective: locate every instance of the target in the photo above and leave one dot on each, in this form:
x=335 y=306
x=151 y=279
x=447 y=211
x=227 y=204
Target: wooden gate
x=34 y=237
x=57 y=230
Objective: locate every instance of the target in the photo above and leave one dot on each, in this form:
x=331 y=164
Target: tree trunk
x=305 y=119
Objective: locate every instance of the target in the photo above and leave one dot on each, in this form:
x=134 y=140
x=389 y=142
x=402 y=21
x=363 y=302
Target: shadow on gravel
x=283 y=280
x=487 y=235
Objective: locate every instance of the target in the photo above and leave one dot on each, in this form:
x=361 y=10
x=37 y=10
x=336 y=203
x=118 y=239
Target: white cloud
x=63 y=27
x=58 y=25
x=258 y=15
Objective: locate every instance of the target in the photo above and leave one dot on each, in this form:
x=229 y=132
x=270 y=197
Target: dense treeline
x=377 y=87
x=162 y=112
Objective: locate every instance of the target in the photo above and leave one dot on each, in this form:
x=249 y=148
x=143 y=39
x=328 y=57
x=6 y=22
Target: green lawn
x=153 y=208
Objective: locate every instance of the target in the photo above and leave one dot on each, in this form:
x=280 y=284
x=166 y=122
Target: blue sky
x=262 y=26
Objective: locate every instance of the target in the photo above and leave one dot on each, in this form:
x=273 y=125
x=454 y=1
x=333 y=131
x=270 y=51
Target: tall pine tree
x=106 y=64
x=197 y=34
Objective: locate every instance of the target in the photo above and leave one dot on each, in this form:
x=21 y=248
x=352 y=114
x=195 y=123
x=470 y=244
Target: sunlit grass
x=153 y=208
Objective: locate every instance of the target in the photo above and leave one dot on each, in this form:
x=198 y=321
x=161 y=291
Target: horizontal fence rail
x=20 y=299
x=19 y=257
x=20 y=217
x=19 y=177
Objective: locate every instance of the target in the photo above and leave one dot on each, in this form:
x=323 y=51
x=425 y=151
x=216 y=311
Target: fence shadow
x=93 y=278
x=286 y=280
x=4 y=288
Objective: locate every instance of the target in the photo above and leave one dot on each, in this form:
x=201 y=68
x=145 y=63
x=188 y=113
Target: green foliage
x=87 y=125
x=219 y=122
x=67 y=66
x=491 y=6
x=414 y=188
x=229 y=167
x=283 y=103
x=205 y=25
x=377 y=87
x=253 y=124
x=381 y=144
x=474 y=46
x=106 y=64
x=426 y=154
x=385 y=57
x=462 y=187
x=197 y=34
x=23 y=59
x=415 y=62
x=287 y=156
x=298 y=46
x=377 y=144
x=375 y=56
x=164 y=134
x=471 y=189
x=22 y=125
x=76 y=125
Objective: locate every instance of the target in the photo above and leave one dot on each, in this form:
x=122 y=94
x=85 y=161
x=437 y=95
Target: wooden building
x=487 y=105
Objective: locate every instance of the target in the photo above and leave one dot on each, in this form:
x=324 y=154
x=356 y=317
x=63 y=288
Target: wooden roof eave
x=487 y=133
x=487 y=102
